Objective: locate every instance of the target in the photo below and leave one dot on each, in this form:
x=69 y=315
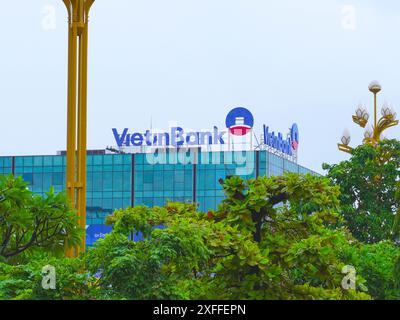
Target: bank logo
x=294 y=135
x=239 y=121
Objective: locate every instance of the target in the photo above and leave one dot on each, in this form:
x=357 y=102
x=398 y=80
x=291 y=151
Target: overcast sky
x=191 y=61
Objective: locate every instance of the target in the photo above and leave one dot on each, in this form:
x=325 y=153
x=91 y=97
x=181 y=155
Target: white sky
x=191 y=61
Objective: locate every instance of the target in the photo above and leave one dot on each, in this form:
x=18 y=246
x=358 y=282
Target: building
x=177 y=174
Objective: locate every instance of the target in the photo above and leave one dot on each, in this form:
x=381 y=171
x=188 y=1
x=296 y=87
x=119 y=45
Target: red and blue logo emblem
x=239 y=121
x=294 y=135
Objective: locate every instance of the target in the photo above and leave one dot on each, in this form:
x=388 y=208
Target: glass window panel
x=127 y=159
x=97 y=202
x=57 y=161
x=107 y=181
x=210 y=179
x=147 y=186
x=148 y=178
x=179 y=186
x=89 y=180
x=158 y=181
x=117 y=203
x=179 y=176
x=118 y=182
x=108 y=168
x=58 y=169
x=38 y=169
x=127 y=181
x=37 y=182
x=19 y=161
x=98 y=160
x=47 y=181
x=37 y=161
x=48 y=161
x=139 y=158
x=126 y=202
x=28 y=161
x=7 y=162
x=118 y=159
x=97 y=182
x=107 y=194
x=107 y=204
x=139 y=180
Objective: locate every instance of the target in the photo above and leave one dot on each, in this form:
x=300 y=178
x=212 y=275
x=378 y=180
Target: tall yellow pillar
x=78 y=19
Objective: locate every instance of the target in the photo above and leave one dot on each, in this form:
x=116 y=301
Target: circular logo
x=239 y=121
x=294 y=135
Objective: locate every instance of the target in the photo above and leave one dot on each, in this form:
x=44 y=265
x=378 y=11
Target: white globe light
x=374 y=86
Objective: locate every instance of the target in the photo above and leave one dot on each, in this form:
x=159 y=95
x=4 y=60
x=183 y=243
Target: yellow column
x=82 y=129
x=78 y=14
x=375 y=112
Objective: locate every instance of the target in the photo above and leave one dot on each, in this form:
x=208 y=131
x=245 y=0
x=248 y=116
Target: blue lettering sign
x=286 y=146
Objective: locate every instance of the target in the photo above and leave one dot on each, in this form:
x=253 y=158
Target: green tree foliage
x=369 y=183
x=378 y=264
x=270 y=239
x=31 y=223
x=24 y=281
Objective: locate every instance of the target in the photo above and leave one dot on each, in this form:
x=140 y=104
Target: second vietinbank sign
x=239 y=122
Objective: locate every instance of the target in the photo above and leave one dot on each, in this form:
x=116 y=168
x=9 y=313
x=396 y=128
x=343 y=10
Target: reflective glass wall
x=214 y=166
x=162 y=178
x=109 y=185
x=120 y=181
x=5 y=165
x=109 y=180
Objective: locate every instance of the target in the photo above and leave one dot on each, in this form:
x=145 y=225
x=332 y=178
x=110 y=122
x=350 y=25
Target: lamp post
x=373 y=132
x=78 y=18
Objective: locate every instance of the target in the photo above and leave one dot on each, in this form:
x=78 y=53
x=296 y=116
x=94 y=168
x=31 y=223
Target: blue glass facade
x=157 y=183
x=6 y=165
x=123 y=180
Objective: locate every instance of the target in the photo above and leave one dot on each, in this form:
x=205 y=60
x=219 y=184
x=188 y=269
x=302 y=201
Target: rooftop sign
x=239 y=123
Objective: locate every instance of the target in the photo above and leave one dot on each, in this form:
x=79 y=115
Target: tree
x=272 y=238
x=29 y=223
x=369 y=185
x=24 y=281
x=379 y=265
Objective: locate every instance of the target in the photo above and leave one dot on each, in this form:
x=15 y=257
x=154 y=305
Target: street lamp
x=78 y=19
x=373 y=132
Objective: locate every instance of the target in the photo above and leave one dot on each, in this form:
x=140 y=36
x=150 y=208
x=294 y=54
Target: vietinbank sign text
x=288 y=145
x=239 y=123
x=177 y=137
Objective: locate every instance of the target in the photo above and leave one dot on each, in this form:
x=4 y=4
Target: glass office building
x=121 y=180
